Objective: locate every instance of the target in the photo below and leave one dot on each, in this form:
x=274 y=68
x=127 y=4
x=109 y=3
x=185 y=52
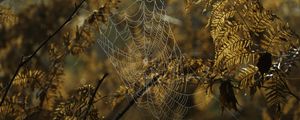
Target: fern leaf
x=246 y=76
x=277 y=92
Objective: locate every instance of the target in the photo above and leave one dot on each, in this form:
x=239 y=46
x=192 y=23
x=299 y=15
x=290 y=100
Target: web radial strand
x=140 y=44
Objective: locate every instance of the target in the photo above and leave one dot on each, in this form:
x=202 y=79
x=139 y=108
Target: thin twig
x=294 y=95
x=90 y=103
x=120 y=110
x=25 y=60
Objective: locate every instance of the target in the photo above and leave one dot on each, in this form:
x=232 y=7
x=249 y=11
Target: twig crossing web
x=139 y=42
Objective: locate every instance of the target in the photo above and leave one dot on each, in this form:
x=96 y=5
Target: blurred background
x=74 y=60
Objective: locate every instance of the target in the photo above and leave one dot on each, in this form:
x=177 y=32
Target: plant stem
x=25 y=60
x=124 y=106
x=90 y=103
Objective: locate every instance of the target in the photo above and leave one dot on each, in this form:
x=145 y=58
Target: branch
x=24 y=60
x=124 y=106
x=294 y=95
x=90 y=103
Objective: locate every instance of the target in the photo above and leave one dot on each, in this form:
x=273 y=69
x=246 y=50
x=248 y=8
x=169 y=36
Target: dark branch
x=90 y=103
x=124 y=106
x=294 y=95
x=25 y=60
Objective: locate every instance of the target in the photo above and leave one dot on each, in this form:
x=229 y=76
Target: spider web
x=137 y=36
x=139 y=42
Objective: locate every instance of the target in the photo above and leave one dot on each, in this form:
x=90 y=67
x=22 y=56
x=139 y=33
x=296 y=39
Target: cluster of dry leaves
x=251 y=53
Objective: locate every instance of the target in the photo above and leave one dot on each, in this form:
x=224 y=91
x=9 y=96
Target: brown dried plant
x=254 y=51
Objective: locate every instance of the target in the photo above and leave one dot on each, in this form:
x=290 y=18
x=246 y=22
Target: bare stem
x=25 y=60
x=93 y=96
x=124 y=106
